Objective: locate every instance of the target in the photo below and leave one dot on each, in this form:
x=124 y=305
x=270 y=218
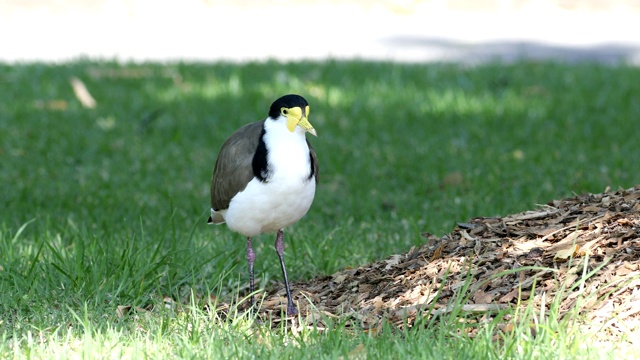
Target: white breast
x=286 y=196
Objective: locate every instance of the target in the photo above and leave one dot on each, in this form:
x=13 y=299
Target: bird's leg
x=251 y=257
x=291 y=309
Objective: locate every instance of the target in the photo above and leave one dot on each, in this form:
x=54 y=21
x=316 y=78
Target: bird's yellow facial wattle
x=296 y=116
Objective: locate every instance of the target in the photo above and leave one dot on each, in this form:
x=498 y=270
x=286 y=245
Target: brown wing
x=233 y=169
x=314 y=162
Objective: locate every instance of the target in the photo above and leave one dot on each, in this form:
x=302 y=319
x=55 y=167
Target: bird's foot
x=291 y=310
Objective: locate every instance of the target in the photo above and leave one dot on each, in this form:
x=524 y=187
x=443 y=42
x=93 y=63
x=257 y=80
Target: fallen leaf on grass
x=452 y=179
x=82 y=93
x=125 y=310
x=56 y=105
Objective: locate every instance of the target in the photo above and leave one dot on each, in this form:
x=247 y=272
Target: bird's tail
x=216 y=218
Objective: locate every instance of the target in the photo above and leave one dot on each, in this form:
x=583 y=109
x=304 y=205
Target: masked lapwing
x=265 y=178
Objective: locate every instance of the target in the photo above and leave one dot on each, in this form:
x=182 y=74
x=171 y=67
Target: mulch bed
x=581 y=252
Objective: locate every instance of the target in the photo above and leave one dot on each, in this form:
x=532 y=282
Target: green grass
x=112 y=201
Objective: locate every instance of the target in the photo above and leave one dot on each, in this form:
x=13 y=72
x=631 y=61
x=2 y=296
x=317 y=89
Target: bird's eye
x=284 y=111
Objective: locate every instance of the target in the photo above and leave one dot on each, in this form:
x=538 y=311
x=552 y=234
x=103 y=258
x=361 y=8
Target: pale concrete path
x=399 y=30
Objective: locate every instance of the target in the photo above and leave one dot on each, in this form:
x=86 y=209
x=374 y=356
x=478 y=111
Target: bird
x=265 y=178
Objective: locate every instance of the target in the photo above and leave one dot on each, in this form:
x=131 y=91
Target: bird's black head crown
x=288 y=101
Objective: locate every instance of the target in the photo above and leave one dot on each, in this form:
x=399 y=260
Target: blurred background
x=401 y=30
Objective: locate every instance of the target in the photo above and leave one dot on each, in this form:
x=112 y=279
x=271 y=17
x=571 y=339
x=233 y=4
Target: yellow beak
x=297 y=117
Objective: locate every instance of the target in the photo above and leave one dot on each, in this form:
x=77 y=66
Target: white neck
x=288 y=152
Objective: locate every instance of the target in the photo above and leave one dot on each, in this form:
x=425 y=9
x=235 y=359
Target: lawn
x=106 y=207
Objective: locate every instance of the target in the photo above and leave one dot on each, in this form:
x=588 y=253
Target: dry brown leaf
x=339 y=278
x=509 y=296
x=567 y=252
x=589 y=247
x=466 y=235
x=392 y=261
x=56 y=105
x=438 y=252
x=481 y=297
x=624 y=221
x=82 y=93
x=123 y=310
x=452 y=179
x=623 y=271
